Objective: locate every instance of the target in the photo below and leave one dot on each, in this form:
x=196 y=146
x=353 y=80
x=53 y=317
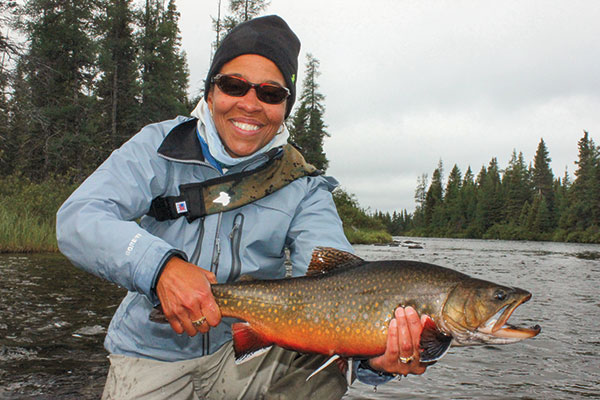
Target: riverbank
x=28 y=216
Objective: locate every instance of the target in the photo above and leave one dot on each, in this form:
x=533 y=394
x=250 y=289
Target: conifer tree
x=164 y=66
x=489 y=197
x=307 y=128
x=59 y=71
x=434 y=198
x=584 y=194
x=453 y=201
x=420 y=196
x=239 y=11
x=118 y=90
x=517 y=186
x=542 y=177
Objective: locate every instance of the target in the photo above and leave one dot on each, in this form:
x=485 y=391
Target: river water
x=53 y=318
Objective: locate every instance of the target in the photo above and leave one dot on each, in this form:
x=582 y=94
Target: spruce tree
x=516 y=186
x=118 y=91
x=434 y=199
x=453 y=202
x=239 y=11
x=489 y=198
x=59 y=70
x=584 y=194
x=307 y=129
x=164 y=66
x=420 y=196
x=542 y=177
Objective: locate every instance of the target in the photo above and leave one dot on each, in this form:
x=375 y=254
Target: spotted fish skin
x=344 y=306
x=345 y=312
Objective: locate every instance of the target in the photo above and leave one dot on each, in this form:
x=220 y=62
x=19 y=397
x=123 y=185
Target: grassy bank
x=361 y=236
x=27 y=213
x=359 y=226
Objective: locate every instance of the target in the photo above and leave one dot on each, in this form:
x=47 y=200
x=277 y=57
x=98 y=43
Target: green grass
x=28 y=213
x=25 y=233
x=364 y=236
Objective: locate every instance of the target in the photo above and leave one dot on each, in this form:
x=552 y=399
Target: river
x=53 y=318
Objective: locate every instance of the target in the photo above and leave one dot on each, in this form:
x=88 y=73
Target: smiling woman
x=233 y=147
x=245 y=123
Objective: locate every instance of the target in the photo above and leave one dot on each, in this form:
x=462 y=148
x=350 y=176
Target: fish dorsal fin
x=326 y=259
x=246 y=278
x=434 y=343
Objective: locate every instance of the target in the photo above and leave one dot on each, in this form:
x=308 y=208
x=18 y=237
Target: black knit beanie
x=270 y=37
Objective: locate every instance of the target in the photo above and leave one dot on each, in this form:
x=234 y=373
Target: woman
x=182 y=244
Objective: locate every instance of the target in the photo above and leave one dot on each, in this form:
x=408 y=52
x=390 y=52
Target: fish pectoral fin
x=322 y=367
x=434 y=343
x=247 y=343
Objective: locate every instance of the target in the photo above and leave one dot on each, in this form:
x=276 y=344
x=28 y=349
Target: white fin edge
x=322 y=367
x=250 y=356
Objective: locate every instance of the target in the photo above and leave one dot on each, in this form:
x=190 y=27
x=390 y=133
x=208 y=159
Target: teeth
x=246 y=127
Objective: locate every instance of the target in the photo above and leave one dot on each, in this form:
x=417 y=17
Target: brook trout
x=344 y=304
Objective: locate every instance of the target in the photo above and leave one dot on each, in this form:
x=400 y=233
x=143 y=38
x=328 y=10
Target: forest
x=79 y=78
x=519 y=202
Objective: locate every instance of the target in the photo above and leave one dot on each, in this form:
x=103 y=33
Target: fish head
x=477 y=311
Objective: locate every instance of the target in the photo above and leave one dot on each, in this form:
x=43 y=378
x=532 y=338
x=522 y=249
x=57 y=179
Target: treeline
x=519 y=202
x=83 y=78
x=89 y=75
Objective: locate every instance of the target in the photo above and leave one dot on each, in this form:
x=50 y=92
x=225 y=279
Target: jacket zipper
x=214 y=268
x=236 y=238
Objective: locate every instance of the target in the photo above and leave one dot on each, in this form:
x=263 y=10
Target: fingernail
x=410 y=311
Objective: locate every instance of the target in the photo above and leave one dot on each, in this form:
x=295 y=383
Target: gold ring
x=199 y=322
x=405 y=360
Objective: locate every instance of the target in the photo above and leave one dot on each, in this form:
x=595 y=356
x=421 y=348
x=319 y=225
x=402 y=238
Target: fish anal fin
x=325 y=259
x=434 y=343
x=247 y=343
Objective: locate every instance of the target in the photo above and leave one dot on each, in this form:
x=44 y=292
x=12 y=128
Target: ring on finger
x=199 y=321
x=405 y=360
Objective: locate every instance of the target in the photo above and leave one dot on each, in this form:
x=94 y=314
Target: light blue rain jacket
x=97 y=231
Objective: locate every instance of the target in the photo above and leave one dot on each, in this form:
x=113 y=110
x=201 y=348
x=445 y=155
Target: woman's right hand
x=185 y=296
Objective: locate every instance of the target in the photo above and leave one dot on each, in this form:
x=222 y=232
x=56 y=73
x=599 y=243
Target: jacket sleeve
x=315 y=223
x=96 y=227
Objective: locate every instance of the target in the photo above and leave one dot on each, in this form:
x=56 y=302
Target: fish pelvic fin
x=247 y=343
x=326 y=259
x=434 y=343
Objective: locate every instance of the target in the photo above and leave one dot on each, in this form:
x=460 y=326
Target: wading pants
x=277 y=374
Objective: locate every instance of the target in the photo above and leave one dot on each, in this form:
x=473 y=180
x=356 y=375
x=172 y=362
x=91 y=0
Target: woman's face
x=245 y=124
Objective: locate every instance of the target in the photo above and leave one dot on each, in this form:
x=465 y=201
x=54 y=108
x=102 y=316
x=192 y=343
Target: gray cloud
x=410 y=82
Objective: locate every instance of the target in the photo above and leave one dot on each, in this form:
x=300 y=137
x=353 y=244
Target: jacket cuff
x=148 y=270
x=170 y=254
x=368 y=376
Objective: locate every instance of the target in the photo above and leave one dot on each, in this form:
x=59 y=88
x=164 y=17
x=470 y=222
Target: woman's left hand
x=403 y=344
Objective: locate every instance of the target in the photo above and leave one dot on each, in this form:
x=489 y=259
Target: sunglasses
x=236 y=86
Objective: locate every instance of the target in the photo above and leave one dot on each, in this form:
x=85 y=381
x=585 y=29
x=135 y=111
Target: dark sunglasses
x=236 y=86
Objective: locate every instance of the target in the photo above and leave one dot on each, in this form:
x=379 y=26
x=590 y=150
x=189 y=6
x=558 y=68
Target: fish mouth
x=496 y=326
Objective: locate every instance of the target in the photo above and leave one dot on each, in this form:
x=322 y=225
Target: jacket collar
x=181 y=143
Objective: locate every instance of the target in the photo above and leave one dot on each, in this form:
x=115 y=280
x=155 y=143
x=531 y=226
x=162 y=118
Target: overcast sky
x=408 y=83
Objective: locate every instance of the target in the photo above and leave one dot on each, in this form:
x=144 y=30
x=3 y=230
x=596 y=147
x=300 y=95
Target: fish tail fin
x=434 y=343
x=247 y=343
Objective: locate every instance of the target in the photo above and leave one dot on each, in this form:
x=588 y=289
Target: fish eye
x=500 y=295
